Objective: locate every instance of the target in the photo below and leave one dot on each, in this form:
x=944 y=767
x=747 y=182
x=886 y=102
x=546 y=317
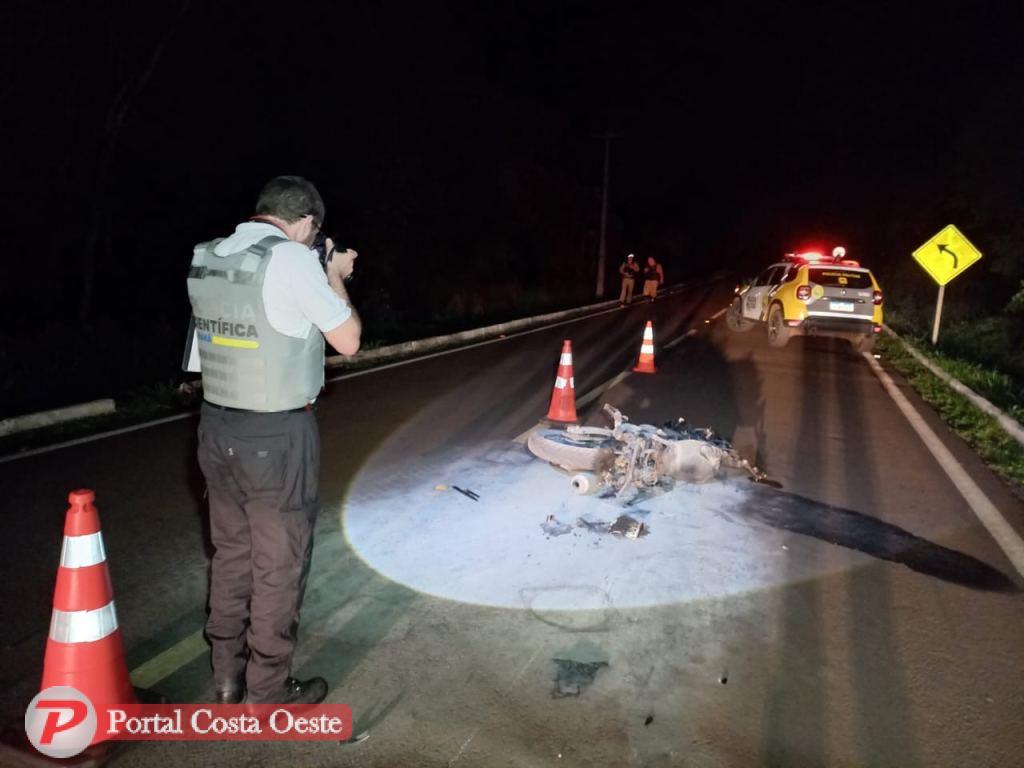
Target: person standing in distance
x=263 y=306
x=629 y=269
x=653 y=277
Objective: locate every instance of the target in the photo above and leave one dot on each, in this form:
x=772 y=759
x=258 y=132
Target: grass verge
x=982 y=432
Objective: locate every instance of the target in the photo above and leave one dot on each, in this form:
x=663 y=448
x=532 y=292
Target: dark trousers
x=262 y=472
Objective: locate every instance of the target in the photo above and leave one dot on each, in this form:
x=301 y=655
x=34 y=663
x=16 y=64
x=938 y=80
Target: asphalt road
x=859 y=616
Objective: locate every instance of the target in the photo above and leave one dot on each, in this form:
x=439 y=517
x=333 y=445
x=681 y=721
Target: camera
x=320 y=246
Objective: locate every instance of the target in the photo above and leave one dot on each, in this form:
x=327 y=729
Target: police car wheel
x=778 y=333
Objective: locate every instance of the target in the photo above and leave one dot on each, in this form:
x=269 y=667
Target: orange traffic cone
x=563 y=395
x=646 y=362
x=84 y=649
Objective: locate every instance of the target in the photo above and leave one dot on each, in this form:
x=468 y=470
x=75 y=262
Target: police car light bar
x=814 y=257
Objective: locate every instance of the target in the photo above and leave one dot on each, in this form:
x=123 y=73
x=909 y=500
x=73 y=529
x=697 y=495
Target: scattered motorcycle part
x=585 y=483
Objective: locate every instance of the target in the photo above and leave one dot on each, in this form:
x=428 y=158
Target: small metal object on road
x=467 y=493
x=628 y=527
x=440 y=487
x=585 y=483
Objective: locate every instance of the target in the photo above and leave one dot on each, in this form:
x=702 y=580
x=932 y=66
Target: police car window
x=839 y=278
x=764 y=277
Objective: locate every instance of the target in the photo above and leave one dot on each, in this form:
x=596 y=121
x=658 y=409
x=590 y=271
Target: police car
x=809 y=294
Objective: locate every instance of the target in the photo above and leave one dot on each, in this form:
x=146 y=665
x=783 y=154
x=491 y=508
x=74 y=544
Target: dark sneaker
x=311 y=691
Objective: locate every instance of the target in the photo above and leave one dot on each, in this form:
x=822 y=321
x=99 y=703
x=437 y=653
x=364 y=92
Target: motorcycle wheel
x=573 y=452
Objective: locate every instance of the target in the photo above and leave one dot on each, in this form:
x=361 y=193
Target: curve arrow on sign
x=943 y=248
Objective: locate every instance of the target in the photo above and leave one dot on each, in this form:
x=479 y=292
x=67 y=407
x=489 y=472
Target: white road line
x=100 y=436
x=684 y=337
x=1004 y=534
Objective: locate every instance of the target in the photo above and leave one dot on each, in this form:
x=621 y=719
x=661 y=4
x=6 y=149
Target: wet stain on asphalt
x=863 y=533
x=572 y=677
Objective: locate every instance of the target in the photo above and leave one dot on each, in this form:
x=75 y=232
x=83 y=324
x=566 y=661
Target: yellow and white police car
x=809 y=294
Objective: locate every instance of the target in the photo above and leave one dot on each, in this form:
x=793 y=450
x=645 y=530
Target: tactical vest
x=651 y=273
x=245 y=362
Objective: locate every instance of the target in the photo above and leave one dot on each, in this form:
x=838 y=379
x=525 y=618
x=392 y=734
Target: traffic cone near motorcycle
x=646 y=362
x=563 y=394
x=84 y=649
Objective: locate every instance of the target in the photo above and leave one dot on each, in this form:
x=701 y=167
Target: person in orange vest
x=629 y=269
x=654 y=276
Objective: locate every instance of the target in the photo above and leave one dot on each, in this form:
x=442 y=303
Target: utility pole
x=607 y=136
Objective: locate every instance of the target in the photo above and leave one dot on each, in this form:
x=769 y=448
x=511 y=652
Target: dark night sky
x=457 y=133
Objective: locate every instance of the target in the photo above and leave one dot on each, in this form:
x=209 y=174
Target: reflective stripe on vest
x=83 y=626
x=245 y=362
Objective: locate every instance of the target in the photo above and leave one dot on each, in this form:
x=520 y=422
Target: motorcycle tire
x=576 y=453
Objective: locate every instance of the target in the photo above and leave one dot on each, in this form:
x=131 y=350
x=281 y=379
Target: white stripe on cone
x=560 y=382
x=646 y=349
x=566 y=359
x=83 y=626
x=82 y=551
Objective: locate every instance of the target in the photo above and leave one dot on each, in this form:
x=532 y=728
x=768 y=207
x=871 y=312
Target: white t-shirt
x=296 y=295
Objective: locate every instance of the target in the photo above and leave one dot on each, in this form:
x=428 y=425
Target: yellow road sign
x=946 y=255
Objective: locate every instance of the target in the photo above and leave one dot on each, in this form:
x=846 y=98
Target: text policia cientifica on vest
x=245 y=362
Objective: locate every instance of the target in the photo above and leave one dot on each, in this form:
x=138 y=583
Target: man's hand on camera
x=342 y=262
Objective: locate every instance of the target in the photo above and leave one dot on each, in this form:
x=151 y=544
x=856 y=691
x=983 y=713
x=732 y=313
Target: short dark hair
x=290 y=198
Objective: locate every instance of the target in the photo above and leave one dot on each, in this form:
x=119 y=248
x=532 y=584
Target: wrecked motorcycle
x=629 y=457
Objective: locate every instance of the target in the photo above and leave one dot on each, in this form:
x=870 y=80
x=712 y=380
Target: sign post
x=945 y=256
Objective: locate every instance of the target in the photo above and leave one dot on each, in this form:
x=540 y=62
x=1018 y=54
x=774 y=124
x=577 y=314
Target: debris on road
x=552 y=527
x=627 y=460
x=467 y=493
x=624 y=525
x=440 y=487
x=629 y=527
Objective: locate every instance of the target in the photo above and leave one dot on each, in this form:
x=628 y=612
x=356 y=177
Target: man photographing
x=263 y=305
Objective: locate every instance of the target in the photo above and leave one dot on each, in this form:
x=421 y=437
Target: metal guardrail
x=55 y=416
x=433 y=343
